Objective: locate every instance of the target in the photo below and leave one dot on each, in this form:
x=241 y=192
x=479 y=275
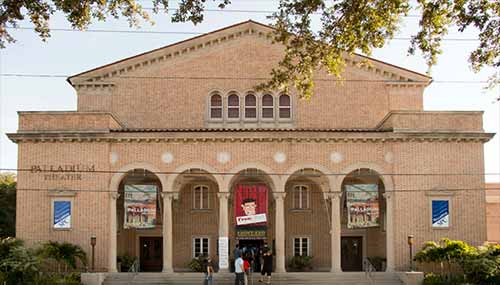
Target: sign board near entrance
x=223 y=252
x=250 y=207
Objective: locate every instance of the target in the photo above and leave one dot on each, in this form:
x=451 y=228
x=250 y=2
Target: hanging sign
x=251 y=205
x=362 y=206
x=140 y=206
x=251 y=211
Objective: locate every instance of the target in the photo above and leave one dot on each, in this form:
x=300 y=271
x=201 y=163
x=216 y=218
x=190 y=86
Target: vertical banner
x=251 y=211
x=440 y=213
x=140 y=206
x=62 y=215
x=223 y=252
x=362 y=206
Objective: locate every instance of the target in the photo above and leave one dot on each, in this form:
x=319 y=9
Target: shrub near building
x=478 y=265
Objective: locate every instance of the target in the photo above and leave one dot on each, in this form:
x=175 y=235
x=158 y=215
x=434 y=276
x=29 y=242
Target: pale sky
x=67 y=53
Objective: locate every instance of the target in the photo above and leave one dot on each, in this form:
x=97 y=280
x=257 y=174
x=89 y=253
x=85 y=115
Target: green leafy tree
x=7 y=205
x=346 y=27
x=64 y=253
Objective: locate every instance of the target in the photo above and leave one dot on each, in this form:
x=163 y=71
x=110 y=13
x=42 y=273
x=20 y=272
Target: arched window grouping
x=264 y=107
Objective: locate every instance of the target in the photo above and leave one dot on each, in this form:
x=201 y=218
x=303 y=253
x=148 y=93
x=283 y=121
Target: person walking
x=208 y=270
x=267 y=267
x=239 y=271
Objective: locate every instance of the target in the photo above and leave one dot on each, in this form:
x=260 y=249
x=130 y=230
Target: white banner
x=223 y=252
x=246 y=220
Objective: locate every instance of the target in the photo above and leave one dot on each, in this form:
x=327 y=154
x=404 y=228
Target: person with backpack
x=208 y=271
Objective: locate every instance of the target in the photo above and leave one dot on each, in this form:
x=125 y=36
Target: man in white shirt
x=239 y=270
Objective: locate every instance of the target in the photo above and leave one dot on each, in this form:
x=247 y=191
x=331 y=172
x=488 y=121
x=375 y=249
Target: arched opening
x=363 y=212
x=195 y=217
x=251 y=214
x=139 y=210
x=307 y=222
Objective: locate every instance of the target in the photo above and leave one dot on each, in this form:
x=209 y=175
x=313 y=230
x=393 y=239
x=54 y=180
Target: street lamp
x=93 y=241
x=410 y=245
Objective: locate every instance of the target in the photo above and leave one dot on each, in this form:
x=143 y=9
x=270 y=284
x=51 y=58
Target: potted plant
x=301 y=263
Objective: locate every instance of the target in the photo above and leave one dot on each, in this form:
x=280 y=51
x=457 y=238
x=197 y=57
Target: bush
x=479 y=265
x=437 y=279
x=126 y=261
x=301 y=262
x=18 y=265
x=196 y=264
x=64 y=253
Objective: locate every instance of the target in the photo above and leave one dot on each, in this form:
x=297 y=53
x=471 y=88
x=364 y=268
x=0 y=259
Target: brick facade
x=151 y=112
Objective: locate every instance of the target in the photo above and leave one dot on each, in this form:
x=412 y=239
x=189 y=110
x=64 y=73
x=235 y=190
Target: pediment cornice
x=392 y=75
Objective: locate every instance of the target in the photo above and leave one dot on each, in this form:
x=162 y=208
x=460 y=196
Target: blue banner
x=62 y=214
x=440 y=213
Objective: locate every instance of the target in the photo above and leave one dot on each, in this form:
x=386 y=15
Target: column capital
x=333 y=196
x=114 y=195
x=170 y=195
x=223 y=195
x=279 y=195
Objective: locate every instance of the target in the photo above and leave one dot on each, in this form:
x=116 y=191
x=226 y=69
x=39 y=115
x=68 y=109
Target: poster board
x=440 y=213
x=62 y=215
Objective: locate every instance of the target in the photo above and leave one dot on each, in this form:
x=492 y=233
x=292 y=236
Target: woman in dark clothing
x=267 y=267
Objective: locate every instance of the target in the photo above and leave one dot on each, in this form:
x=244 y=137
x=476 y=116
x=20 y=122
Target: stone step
x=295 y=278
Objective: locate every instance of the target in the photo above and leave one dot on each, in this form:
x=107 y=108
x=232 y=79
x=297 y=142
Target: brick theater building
x=173 y=154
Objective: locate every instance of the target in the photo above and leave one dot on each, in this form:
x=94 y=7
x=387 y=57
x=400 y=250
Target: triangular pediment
x=124 y=67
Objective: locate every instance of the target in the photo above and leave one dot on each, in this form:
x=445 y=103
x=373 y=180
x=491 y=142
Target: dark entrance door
x=254 y=248
x=352 y=254
x=151 y=253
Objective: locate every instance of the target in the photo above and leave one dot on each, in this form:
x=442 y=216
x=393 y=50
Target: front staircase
x=292 y=278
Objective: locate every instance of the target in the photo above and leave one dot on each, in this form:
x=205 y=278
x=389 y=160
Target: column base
x=336 y=270
x=280 y=270
x=223 y=270
x=167 y=270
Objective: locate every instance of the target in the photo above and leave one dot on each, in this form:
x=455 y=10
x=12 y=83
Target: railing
x=369 y=269
x=135 y=266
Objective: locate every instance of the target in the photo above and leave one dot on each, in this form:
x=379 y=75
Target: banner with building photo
x=362 y=206
x=250 y=205
x=140 y=206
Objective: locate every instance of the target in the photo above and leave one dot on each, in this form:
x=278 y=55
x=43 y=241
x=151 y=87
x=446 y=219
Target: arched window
x=267 y=106
x=200 y=197
x=216 y=106
x=250 y=106
x=284 y=107
x=233 y=106
x=301 y=197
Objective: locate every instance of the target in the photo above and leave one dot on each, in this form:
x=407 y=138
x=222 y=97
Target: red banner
x=250 y=205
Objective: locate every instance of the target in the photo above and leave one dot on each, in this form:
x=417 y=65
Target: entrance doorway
x=151 y=254
x=254 y=248
x=352 y=254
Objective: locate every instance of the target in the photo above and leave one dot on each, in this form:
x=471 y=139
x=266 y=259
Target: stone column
x=336 y=231
x=167 y=231
x=389 y=231
x=280 y=231
x=223 y=223
x=112 y=232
